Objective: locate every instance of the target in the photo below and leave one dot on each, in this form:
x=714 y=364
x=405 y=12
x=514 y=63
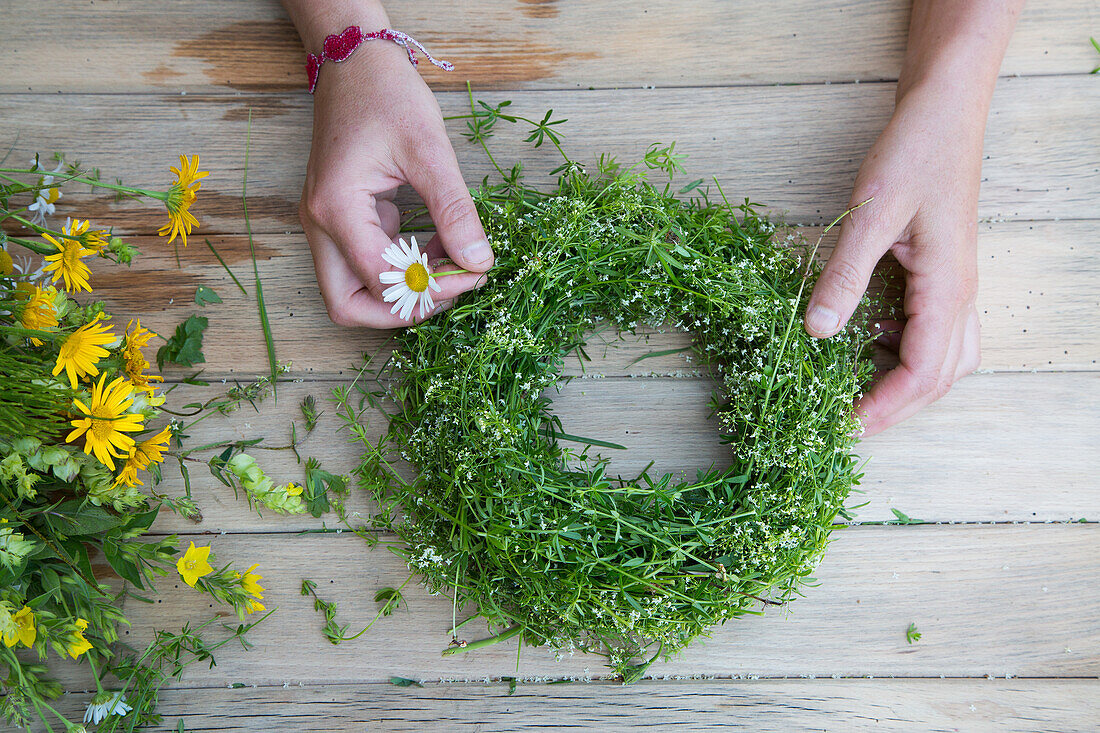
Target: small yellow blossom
x=135 y=362
x=180 y=196
x=25 y=632
x=79 y=645
x=250 y=584
x=7 y=265
x=82 y=350
x=67 y=263
x=294 y=489
x=38 y=312
x=142 y=455
x=252 y=605
x=194 y=564
x=95 y=240
x=105 y=422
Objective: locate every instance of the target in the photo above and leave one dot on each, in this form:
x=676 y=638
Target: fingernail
x=477 y=253
x=443 y=305
x=822 y=320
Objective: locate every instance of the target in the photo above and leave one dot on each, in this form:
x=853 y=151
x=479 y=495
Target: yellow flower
x=141 y=455
x=135 y=363
x=95 y=239
x=181 y=195
x=79 y=644
x=68 y=262
x=105 y=423
x=38 y=313
x=194 y=564
x=25 y=633
x=82 y=351
x=7 y=266
x=251 y=605
x=293 y=489
x=248 y=582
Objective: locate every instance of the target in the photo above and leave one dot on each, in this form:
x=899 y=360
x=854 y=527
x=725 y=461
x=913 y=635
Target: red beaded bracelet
x=339 y=46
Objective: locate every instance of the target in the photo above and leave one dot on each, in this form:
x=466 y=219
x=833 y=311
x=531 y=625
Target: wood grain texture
x=989 y=600
x=795 y=149
x=1039 y=295
x=202 y=45
x=959 y=460
x=760 y=706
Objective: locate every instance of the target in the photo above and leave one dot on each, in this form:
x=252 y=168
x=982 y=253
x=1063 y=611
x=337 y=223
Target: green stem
x=36 y=247
x=482 y=643
x=161 y=195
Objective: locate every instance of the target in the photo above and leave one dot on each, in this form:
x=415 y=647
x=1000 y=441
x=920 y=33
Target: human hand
x=923 y=175
x=376 y=125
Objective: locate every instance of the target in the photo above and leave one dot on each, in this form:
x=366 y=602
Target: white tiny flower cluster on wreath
x=412 y=283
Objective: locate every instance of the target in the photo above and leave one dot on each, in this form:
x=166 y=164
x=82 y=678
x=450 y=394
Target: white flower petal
x=426 y=304
x=433 y=284
x=394 y=292
x=394 y=257
x=407 y=308
x=391 y=277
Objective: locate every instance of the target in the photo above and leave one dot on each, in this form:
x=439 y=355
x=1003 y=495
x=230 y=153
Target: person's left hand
x=922 y=175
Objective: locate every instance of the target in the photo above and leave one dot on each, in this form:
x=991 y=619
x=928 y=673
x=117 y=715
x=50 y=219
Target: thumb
x=844 y=279
x=436 y=177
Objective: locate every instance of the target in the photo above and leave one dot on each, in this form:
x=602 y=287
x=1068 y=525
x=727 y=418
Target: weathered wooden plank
x=993 y=450
x=1039 y=293
x=201 y=45
x=761 y=706
x=795 y=148
x=989 y=600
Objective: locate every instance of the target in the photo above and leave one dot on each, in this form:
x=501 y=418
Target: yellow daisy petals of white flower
x=412 y=282
x=105 y=422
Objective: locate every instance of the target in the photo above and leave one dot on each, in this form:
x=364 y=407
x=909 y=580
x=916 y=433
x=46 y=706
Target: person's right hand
x=376 y=125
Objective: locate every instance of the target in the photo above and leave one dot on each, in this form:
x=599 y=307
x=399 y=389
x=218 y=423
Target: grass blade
x=226 y=266
x=264 y=322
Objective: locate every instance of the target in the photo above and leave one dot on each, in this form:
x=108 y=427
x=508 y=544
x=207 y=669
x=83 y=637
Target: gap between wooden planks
x=760 y=706
x=1039 y=292
x=989 y=600
x=993 y=450
x=795 y=149
x=199 y=45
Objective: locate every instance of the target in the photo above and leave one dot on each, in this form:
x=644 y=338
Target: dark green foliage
x=185 y=346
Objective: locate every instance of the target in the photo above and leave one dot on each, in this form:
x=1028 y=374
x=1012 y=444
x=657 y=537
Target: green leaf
x=76 y=520
x=122 y=565
x=204 y=295
x=404 y=682
x=185 y=346
x=903 y=518
x=318 y=484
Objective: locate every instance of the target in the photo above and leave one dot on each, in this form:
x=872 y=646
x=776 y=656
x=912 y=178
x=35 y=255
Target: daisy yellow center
x=416 y=277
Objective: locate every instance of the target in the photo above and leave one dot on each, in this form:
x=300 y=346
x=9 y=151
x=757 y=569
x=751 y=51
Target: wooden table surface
x=780 y=104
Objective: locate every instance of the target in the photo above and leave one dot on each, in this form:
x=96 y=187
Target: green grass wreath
x=536 y=535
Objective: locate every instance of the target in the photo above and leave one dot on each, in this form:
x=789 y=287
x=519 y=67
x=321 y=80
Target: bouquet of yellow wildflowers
x=80 y=433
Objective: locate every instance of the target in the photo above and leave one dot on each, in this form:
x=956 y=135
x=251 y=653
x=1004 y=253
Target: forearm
x=956 y=47
x=316 y=19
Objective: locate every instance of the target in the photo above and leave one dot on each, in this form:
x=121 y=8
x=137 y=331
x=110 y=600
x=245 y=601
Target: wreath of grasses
x=536 y=535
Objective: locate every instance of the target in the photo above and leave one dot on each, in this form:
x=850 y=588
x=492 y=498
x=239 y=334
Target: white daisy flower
x=104 y=704
x=411 y=283
x=44 y=202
